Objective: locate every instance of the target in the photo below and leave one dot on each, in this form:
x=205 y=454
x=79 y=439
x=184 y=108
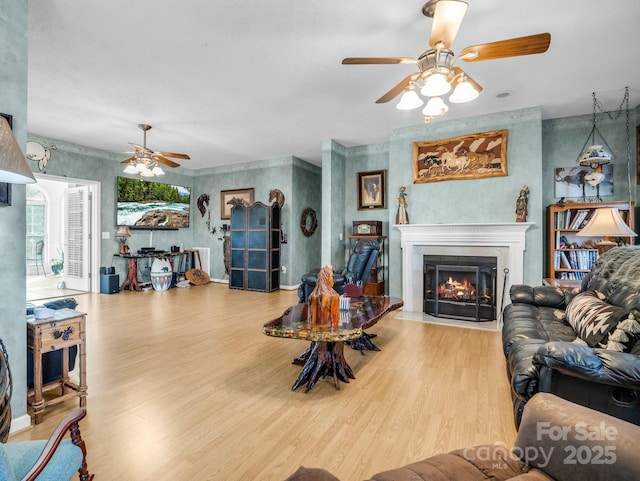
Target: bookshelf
x=570 y=257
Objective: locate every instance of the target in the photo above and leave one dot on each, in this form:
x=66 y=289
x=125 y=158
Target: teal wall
x=534 y=149
x=307 y=192
x=465 y=201
x=299 y=182
x=13 y=101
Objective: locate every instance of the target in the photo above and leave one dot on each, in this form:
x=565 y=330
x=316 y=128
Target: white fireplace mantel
x=504 y=239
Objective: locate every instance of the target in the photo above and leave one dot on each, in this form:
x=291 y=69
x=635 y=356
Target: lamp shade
x=464 y=92
x=14 y=168
x=123 y=231
x=607 y=221
x=409 y=100
x=435 y=84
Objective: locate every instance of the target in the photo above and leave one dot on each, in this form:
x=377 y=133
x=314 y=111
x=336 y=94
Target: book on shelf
x=578 y=218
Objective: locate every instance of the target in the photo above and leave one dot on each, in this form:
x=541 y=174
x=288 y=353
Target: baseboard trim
x=284 y=288
x=18 y=424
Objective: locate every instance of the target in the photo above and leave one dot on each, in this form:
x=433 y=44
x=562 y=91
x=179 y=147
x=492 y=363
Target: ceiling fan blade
x=397 y=90
x=171 y=154
x=164 y=160
x=513 y=47
x=377 y=60
x=140 y=147
x=476 y=85
x=133 y=157
x=447 y=17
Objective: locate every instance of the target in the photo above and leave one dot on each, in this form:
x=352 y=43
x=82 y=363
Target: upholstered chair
x=362 y=259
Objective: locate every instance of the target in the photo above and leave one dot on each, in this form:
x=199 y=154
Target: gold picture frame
x=227 y=195
x=473 y=156
x=372 y=191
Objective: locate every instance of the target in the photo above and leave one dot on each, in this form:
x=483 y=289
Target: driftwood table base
x=364 y=343
x=320 y=360
x=131 y=284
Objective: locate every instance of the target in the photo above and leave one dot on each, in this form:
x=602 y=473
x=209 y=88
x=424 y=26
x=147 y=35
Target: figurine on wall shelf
x=402 y=217
x=521 y=205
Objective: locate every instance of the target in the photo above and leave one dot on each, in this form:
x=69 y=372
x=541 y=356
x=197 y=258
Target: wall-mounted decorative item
x=39 y=153
x=5 y=194
x=574 y=182
x=308 y=221
x=473 y=156
x=226 y=196
x=277 y=196
x=372 y=190
x=203 y=203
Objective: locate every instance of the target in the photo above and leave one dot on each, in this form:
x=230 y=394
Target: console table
x=132 y=283
x=46 y=335
x=325 y=356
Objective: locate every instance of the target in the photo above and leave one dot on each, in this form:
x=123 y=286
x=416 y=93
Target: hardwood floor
x=183 y=385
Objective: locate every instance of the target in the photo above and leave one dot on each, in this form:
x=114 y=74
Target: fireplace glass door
x=460 y=287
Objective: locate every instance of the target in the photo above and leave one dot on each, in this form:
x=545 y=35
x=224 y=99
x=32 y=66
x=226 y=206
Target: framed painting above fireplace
x=472 y=156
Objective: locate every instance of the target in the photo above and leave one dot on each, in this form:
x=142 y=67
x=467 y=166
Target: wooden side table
x=46 y=335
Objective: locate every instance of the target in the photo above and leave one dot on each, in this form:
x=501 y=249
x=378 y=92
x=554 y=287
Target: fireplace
x=505 y=241
x=460 y=287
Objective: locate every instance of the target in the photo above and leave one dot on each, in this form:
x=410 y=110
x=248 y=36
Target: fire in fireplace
x=460 y=287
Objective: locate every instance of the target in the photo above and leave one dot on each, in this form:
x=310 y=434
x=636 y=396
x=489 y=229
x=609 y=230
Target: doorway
x=49 y=212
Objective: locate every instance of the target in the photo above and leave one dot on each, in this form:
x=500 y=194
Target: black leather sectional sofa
x=580 y=344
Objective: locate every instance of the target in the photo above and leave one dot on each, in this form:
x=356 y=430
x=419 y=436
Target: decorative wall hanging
x=372 y=191
x=473 y=156
x=308 y=222
x=39 y=153
x=227 y=196
x=574 y=182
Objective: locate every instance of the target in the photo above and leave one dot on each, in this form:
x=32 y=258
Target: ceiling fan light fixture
x=157 y=170
x=130 y=169
x=146 y=173
x=435 y=106
x=409 y=100
x=464 y=92
x=141 y=166
x=435 y=84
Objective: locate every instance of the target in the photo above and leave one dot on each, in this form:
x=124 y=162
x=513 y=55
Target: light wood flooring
x=183 y=385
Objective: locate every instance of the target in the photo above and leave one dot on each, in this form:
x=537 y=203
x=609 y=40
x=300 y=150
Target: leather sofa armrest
x=596 y=365
x=568 y=441
x=547 y=296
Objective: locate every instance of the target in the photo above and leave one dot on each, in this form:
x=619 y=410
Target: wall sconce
x=122 y=233
x=14 y=168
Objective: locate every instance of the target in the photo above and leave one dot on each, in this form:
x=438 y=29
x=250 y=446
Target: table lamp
x=122 y=233
x=606 y=222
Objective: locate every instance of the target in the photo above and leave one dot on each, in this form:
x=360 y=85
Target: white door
x=77 y=235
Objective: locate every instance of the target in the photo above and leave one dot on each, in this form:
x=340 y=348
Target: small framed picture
x=227 y=195
x=372 y=190
x=5 y=194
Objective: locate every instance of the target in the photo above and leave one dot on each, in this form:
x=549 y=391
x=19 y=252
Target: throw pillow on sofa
x=593 y=319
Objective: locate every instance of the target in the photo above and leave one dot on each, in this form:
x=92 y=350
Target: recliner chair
x=362 y=259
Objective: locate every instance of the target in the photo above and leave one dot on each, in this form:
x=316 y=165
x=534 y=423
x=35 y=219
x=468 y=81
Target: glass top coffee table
x=325 y=356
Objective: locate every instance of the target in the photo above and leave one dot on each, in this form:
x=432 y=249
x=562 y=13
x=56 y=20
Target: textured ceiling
x=237 y=80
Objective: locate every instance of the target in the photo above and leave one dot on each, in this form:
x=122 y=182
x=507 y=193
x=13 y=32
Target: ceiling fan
x=145 y=161
x=436 y=74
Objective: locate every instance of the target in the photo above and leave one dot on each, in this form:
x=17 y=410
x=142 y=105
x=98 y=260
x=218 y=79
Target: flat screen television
x=146 y=204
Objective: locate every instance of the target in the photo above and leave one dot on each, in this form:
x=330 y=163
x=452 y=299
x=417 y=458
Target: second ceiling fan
x=436 y=74
x=145 y=161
